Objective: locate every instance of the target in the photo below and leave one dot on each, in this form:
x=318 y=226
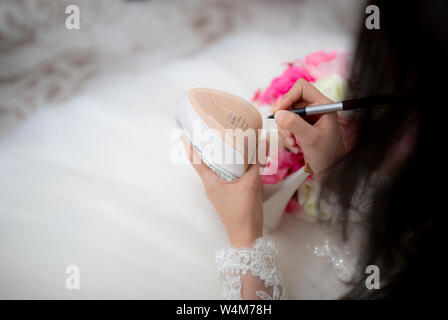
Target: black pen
x=360 y=103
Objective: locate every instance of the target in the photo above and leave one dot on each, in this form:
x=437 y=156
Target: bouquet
x=327 y=71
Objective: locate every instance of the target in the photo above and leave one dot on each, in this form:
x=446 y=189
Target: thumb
x=295 y=124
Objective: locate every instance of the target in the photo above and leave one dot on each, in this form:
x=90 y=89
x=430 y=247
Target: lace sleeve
x=250 y=273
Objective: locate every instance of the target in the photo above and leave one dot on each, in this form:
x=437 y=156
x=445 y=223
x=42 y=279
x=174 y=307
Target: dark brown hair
x=406 y=56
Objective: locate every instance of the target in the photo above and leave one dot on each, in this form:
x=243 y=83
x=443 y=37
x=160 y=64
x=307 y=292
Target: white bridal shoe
x=216 y=124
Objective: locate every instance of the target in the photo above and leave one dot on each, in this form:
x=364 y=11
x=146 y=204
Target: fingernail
x=294 y=150
x=297 y=140
x=279 y=115
x=290 y=142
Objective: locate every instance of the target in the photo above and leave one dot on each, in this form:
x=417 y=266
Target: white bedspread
x=88 y=181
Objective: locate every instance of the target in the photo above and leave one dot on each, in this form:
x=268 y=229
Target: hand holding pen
x=321 y=143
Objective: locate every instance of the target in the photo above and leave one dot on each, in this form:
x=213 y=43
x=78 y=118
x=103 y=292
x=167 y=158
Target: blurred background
x=85 y=138
x=42 y=62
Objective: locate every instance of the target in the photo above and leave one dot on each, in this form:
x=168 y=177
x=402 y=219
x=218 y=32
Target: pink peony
x=293 y=205
x=256 y=95
x=281 y=85
x=316 y=66
x=323 y=64
x=281 y=166
x=274 y=178
x=319 y=57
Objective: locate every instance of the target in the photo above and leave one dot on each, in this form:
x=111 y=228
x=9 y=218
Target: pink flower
x=272 y=173
x=274 y=178
x=281 y=85
x=319 y=57
x=293 y=205
x=280 y=167
x=323 y=64
x=316 y=66
x=256 y=95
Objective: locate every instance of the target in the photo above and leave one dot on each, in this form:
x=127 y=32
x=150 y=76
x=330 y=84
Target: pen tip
x=271 y=116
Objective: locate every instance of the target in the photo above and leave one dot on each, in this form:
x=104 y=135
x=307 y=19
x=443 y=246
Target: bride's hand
x=238 y=203
x=321 y=142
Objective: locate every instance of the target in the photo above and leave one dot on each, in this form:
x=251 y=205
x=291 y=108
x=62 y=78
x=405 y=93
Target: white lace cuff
x=263 y=281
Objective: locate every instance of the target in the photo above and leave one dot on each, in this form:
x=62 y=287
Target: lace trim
x=275 y=296
x=260 y=260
